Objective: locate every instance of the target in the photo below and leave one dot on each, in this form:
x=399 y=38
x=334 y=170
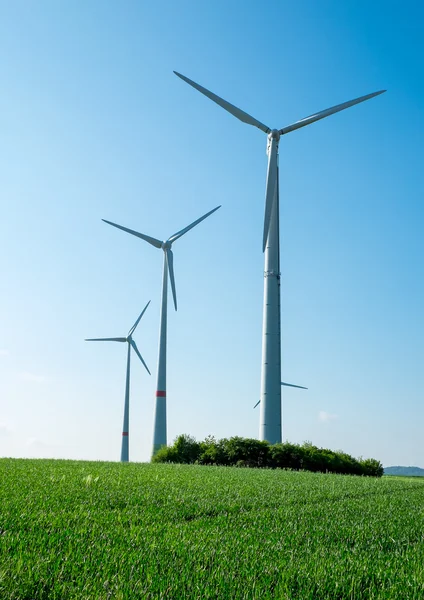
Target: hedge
x=247 y=452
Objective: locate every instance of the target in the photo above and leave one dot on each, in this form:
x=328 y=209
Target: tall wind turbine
x=270 y=414
x=159 y=427
x=131 y=344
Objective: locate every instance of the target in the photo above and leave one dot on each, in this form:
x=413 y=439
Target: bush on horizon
x=247 y=452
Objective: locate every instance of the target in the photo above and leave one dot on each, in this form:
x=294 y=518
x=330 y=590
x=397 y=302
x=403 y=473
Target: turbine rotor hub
x=275 y=134
x=166 y=245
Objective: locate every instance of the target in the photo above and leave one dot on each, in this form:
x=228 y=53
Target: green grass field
x=111 y=531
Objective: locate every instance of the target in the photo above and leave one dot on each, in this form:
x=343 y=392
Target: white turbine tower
x=131 y=344
x=270 y=414
x=159 y=427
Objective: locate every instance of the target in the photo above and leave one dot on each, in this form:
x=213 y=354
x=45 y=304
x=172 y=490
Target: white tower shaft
x=126 y=424
x=159 y=427
x=270 y=398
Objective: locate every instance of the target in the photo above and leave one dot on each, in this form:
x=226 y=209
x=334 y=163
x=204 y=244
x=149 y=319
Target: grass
x=85 y=530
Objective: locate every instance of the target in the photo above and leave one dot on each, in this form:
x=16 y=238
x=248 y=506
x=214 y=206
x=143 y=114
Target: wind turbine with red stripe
x=131 y=344
x=270 y=399
x=159 y=427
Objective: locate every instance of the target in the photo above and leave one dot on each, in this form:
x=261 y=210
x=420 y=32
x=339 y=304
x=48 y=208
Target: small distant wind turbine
x=270 y=416
x=131 y=344
x=159 y=427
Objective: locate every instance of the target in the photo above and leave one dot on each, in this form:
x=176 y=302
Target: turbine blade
x=327 y=112
x=177 y=235
x=134 y=346
x=170 y=261
x=131 y=331
x=295 y=386
x=236 y=112
x=156 y=243
x=120 y=339
x=288 y=385
x=271 y=185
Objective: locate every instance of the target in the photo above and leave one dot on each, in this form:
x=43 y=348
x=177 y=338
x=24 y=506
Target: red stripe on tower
x=125 y=433
x=160 y=394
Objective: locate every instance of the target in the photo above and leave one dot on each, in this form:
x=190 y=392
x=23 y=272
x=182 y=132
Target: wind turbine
x=159 y=427
x=270 y=414
x=131 y=344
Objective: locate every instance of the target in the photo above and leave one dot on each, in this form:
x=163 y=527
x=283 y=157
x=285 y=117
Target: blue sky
x=95 y=125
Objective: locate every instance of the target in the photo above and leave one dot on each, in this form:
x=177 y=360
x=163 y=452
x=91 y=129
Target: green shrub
x=372 y=467
x=212 y=452
x=253 y=453
x=185 y=450
x=166 y=454
x=286 y=456
x=247 y=452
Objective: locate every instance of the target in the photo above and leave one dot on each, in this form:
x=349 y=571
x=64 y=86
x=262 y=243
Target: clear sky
x=94 y=124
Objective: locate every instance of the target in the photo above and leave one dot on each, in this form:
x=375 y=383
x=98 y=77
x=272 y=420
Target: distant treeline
x=246 y=452
x=404 y=471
